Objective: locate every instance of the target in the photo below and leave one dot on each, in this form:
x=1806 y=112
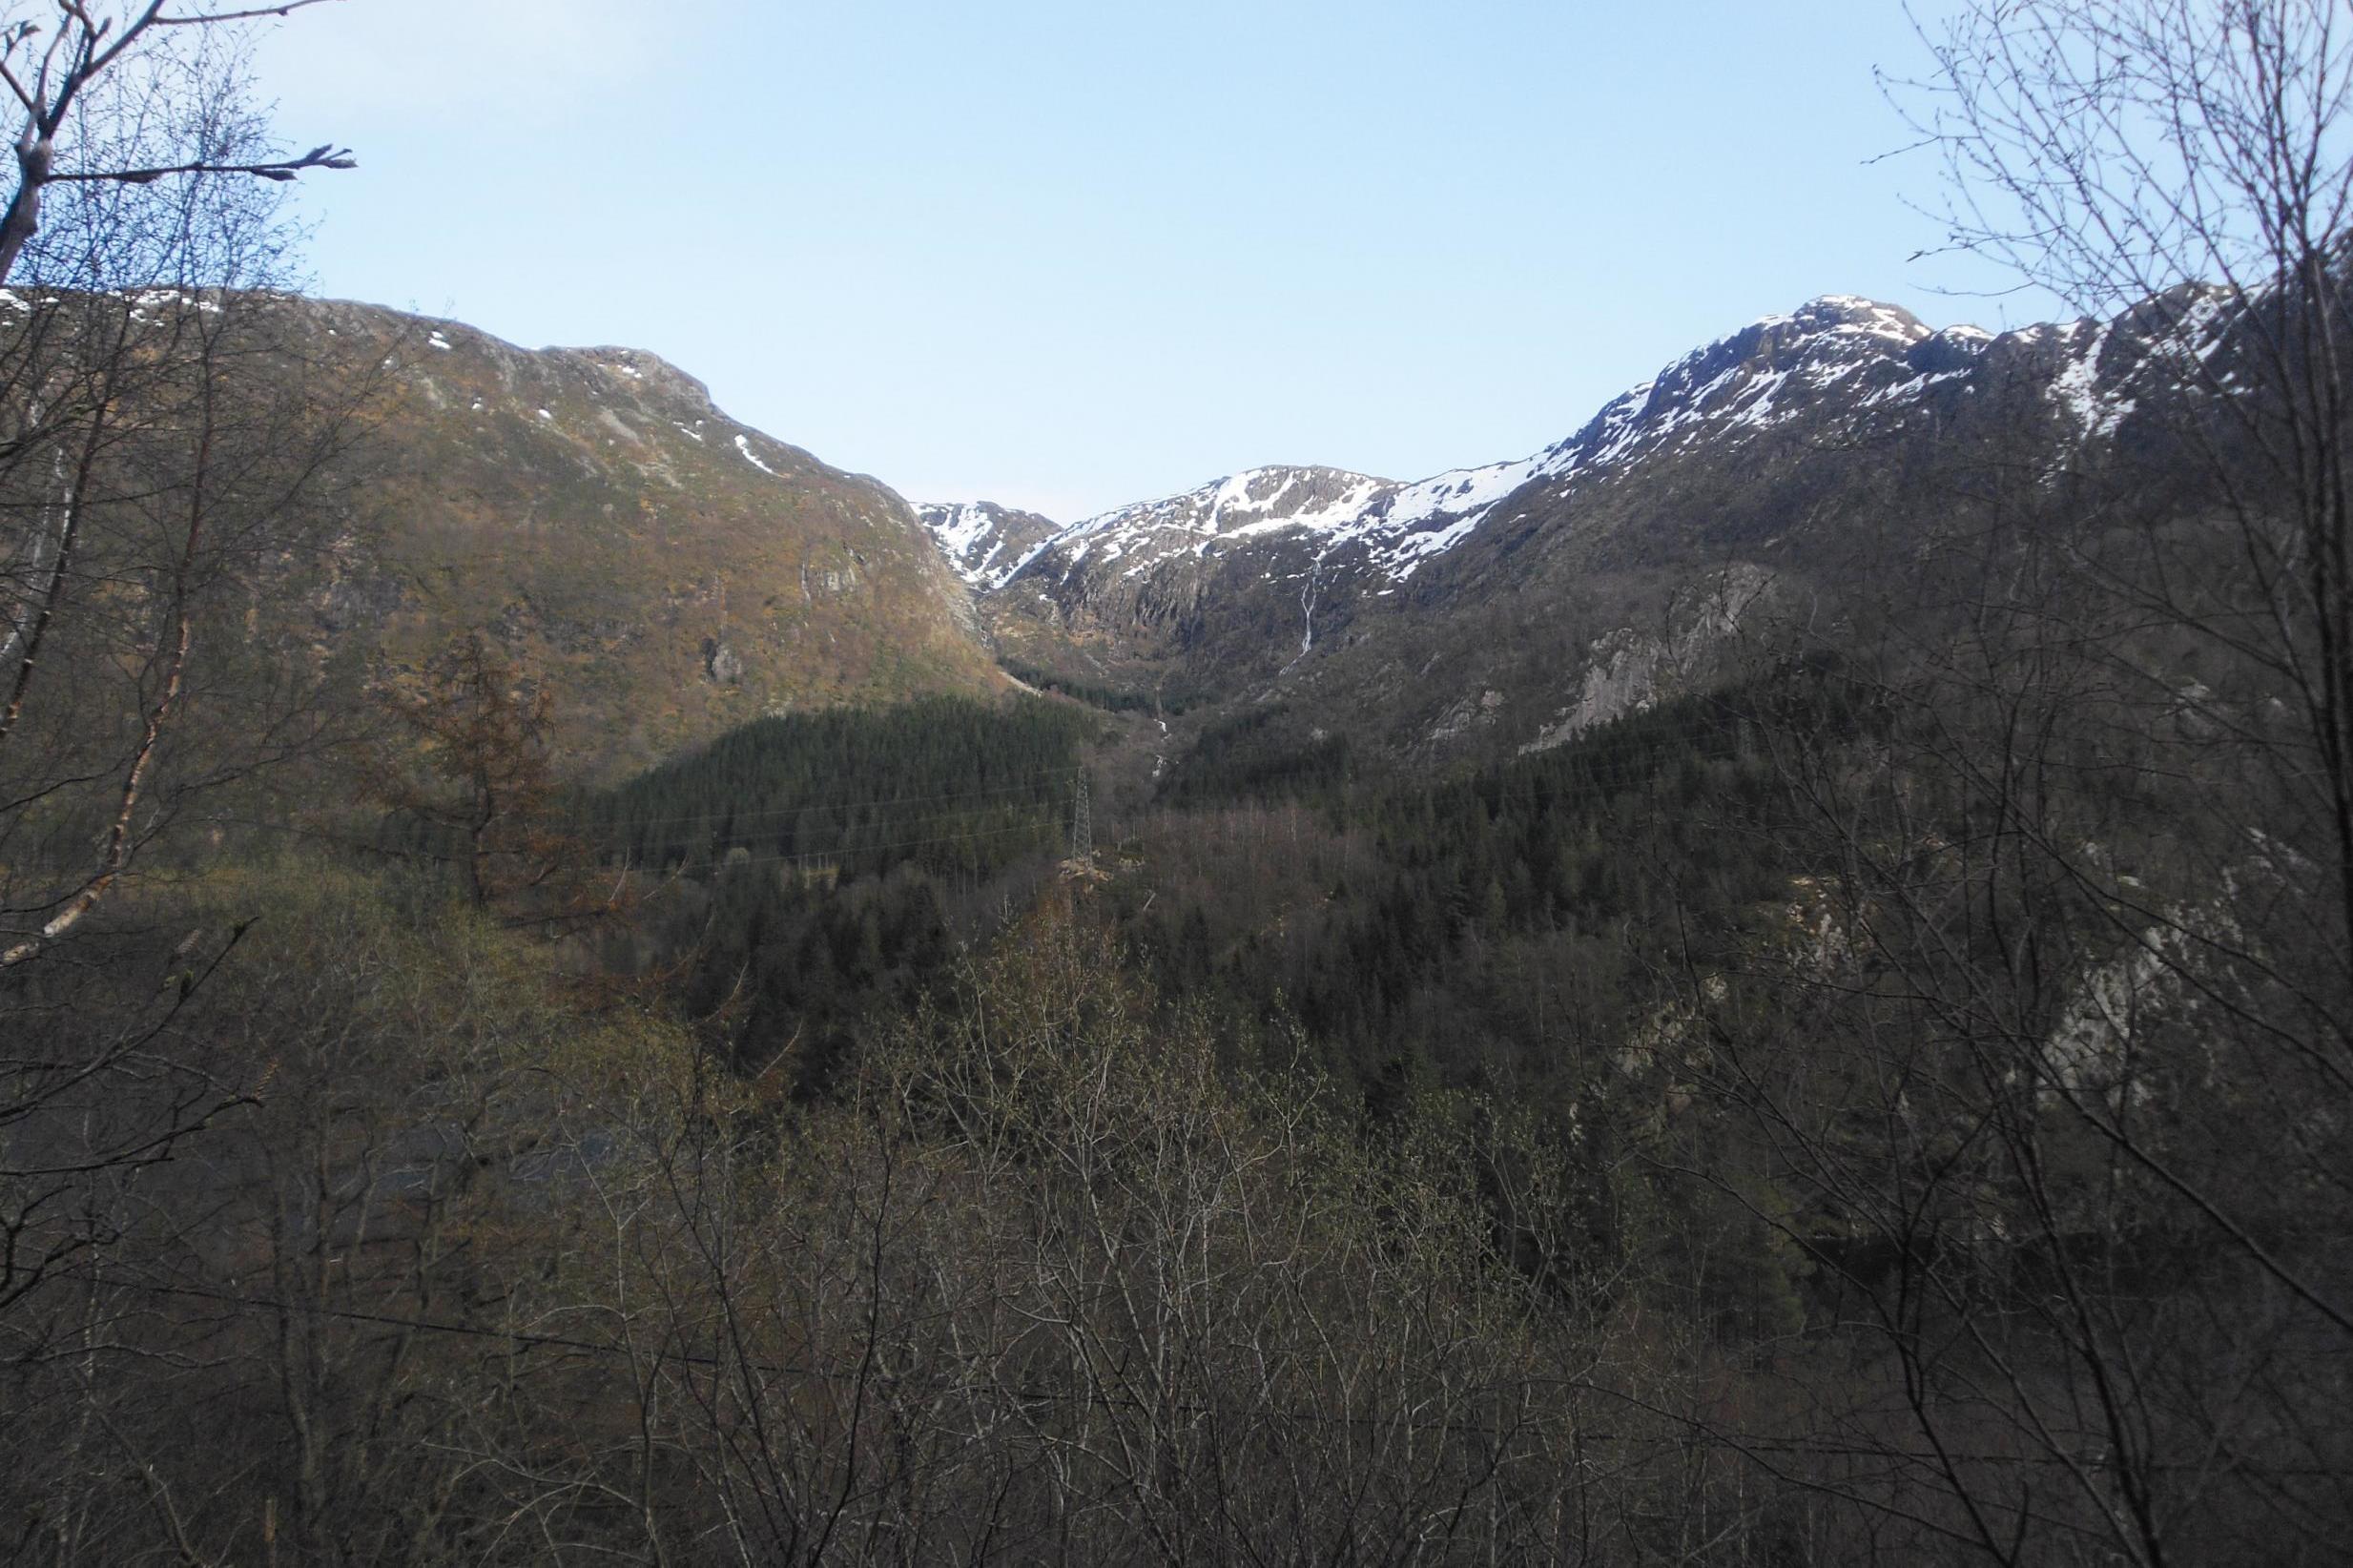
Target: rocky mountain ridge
x=1775 y=371
x=1740 y=476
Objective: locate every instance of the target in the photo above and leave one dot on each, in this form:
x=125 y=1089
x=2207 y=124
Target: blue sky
x=1073 y=255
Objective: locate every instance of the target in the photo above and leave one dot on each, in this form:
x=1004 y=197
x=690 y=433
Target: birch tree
x=162 y=443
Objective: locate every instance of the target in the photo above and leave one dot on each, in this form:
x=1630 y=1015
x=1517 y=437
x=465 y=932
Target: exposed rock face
x=1628 y=671
x=722 y=662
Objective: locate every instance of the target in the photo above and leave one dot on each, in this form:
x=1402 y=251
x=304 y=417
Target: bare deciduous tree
x=51 y=59
x=2060 y=1098
x=161 y=445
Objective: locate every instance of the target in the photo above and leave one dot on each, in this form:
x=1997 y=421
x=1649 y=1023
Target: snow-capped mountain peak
x=1765 y=374
x=1255 y=500
x=1827 y=371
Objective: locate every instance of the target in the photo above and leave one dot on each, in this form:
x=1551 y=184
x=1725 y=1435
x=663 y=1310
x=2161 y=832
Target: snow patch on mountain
x=967 y=532
x=743 y=444
x=984 y=544
x=2077 y=390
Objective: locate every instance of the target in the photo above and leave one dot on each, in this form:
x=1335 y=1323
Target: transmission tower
x=1081 y=824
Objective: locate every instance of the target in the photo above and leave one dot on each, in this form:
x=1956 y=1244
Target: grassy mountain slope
x=668 y=572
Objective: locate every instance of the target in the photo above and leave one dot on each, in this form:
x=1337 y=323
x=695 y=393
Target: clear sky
x=1068 y=254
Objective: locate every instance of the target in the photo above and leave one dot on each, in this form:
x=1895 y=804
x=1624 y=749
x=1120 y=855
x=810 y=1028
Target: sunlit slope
x=667 y=572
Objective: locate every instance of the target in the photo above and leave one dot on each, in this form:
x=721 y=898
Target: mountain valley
x=675 y=573
x=1769 y=984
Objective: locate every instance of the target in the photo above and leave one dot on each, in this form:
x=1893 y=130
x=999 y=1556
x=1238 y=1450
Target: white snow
x=1402 y=526
x=961 y=529
x=743 y=444
x=1878 y=321
x=146 y=299
x=1906 y=391
x=2077 y=389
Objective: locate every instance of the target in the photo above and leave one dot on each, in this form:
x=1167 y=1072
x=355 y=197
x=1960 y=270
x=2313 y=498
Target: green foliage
x=1257 y=755
x=1497 y=921
x=832 y=860
x=948 y=783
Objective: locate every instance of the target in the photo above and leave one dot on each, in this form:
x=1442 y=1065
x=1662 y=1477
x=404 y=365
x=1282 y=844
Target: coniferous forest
x=1882 y=1092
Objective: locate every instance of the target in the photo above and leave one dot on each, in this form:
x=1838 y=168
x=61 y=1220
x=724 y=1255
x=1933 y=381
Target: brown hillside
x=669 y=571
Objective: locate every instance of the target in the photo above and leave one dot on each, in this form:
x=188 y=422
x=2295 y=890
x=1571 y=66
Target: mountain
x=668 y=570
x=985 y=542
x=1509 y=606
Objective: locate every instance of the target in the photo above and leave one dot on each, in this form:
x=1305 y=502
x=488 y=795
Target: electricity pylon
x=1081 y=824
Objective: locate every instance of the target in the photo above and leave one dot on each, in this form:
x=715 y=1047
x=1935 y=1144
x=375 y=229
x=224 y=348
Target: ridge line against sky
x=1064 y=258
